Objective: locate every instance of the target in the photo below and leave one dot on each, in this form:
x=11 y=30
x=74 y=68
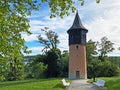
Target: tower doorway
x=77 y=74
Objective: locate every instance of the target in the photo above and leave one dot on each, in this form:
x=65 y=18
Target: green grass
x=40 y=84
x=112 y=83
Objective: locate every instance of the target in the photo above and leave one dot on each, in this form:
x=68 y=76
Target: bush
x=103 y=69
x=2 y=78
x=106 y=69
x=16 y=70
x=39 y=69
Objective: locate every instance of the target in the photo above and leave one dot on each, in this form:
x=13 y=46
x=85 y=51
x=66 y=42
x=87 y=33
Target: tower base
x=74 y=76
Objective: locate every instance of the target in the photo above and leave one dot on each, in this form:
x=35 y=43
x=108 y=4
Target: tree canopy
x=51 y=41
x=63 y=7
x=91 y=49
x=105 y=47
x=13 y=22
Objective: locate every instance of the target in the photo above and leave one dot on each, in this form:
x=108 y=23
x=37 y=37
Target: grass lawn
x=112 y=83
x=40 y=84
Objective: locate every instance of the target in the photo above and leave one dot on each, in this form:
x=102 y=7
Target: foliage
x=53 y=61
x=107 y=69
x=4 y=69
x=28 y=67
x=62 y=8
x=33 y=84
x=16 y=70
x=102 y=69
x=105 y=47
x=90 y=51
x=115 y=60
x=35 y=67
x=13 y=21
x=99 y=66
x=51 y=40
x=92 y=68
x=52 y=55
x=65 y=63
x=39 y=69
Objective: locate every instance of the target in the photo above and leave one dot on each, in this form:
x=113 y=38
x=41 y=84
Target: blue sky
x=100 y=19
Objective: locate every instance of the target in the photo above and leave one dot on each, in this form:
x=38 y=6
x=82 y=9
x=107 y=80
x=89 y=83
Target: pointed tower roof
x=77 y=23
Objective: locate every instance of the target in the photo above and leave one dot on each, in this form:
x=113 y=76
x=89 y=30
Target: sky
x=101 y=20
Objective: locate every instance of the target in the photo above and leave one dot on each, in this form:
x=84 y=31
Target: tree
x=53 y=62
x=38 y=70
x=13 y=21
x=106 y=69
x=90 y=50
x=51 y=40
x=65 y=63
x=91 y=60
x=16 y=70
x=105 y=47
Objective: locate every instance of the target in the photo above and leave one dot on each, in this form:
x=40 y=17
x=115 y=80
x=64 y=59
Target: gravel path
x=82 y=85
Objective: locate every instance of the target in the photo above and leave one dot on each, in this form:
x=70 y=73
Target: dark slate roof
x=77 y=23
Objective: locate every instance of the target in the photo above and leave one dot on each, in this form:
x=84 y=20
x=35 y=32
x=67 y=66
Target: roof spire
x=77 y=22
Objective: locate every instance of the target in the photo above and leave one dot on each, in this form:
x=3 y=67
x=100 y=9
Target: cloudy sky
x=101 y=20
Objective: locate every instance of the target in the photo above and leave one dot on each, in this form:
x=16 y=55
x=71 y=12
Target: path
x=82 y=85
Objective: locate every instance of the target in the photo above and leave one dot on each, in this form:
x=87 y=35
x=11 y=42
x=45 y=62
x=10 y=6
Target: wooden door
x=77 y=74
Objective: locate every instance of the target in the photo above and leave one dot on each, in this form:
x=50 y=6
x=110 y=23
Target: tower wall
x=77 y=62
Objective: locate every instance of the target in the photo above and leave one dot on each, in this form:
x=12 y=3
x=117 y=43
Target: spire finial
x=76 y=10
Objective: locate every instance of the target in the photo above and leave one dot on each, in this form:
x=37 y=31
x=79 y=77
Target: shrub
x=39 y=69
x=102 y=69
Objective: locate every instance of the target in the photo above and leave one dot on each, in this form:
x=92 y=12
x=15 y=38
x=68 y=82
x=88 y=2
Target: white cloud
x=106 y=23
x=29 y=38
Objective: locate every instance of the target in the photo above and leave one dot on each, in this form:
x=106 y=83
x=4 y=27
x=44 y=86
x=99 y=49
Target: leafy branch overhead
x=63 y=7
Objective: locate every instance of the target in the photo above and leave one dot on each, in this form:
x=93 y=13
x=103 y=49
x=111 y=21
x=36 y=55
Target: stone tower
x=77 y=49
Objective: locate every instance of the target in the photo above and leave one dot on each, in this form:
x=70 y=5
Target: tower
x=77 y=49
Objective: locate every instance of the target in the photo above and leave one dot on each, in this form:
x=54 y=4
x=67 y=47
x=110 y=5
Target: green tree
x=39 y=69
x=4 y=69
x=53 y=62
x=105 y=47
x=106 y=69
x=13 y=21
x=35 y=68
x=65 y=63
x=90 y=51
x=16 y=70
x=51 y=41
